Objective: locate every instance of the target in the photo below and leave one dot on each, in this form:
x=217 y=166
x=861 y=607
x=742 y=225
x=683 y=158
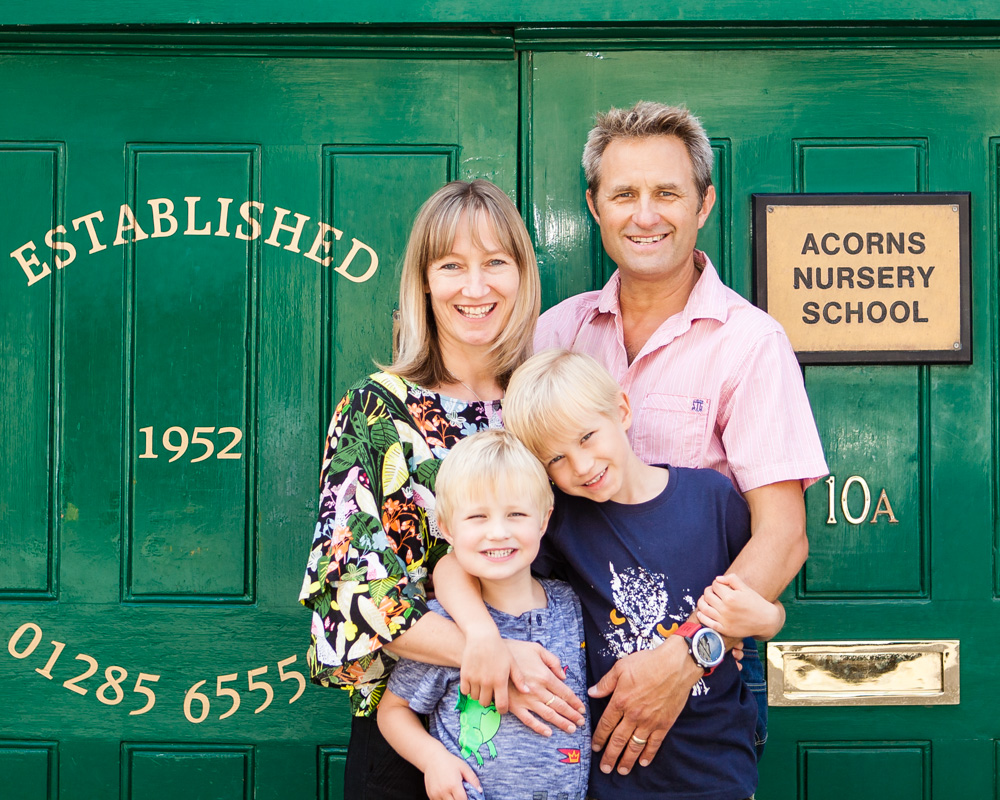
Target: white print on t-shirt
x=642 y=606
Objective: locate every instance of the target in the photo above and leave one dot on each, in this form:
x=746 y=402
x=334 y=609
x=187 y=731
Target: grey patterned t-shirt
x=512 y=761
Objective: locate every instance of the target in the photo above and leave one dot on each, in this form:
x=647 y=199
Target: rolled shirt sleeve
x=767 y=424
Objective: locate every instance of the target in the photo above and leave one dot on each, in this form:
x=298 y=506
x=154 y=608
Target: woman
x=468 y=300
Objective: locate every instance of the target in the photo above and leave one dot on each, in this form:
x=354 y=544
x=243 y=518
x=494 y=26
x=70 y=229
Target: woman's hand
x=539 y=692
x=443 y=776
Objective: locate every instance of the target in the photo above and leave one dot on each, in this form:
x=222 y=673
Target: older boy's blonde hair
x=490 y=463
x=551 y=391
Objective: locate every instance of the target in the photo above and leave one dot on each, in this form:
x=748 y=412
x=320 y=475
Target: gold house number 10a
x=882 y=507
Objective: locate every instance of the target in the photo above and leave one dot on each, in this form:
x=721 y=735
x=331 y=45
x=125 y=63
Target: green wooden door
x=165 y=381
x=838 y=120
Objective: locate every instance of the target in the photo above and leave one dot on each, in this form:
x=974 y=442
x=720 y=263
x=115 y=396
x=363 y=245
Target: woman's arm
x=363 y=579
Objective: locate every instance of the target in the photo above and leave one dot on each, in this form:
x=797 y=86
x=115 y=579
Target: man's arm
x=778 y=545
x=650 y=689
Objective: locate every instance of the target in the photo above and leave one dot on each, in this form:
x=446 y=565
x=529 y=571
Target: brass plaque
x=866 y=278
x=863 y=673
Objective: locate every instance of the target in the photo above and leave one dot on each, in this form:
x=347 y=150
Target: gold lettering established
x=166 y=221
x=342 y=269
x=126 y=215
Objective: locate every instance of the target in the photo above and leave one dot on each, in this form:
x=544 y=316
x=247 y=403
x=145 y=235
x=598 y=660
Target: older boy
x=493 y=503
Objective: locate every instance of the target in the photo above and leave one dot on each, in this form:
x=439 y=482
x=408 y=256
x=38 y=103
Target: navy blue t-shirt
x=639 y=571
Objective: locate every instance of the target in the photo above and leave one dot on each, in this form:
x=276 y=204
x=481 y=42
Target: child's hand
x=737 y=652
x=487 y=665
x=735 y=610
x=443 y=776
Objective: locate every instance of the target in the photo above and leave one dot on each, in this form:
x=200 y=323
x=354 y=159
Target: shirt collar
x=707 y=300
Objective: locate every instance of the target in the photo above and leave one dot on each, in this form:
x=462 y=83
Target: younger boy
x=493 y=503
x=640 y=544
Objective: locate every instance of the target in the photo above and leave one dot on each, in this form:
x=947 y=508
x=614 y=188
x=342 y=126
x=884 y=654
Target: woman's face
x=472 y=289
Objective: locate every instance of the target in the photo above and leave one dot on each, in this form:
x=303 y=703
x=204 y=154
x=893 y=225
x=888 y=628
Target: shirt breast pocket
x=673 y=429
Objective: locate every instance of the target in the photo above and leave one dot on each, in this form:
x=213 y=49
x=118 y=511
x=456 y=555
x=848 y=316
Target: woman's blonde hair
x=489 y=463
x=418 y=353
x=551 y=392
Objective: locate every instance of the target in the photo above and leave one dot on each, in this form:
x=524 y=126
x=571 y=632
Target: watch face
x=708 y=648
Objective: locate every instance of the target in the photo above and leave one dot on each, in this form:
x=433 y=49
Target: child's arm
x=443 y=771
x=488 y=660
x=732 y=608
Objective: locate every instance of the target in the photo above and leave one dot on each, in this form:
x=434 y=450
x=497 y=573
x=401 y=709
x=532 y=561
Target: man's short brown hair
x=643 y=120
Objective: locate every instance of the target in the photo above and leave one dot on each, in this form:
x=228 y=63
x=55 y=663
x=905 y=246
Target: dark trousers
x=374 y=771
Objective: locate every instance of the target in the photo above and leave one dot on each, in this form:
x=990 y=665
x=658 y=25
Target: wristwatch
x=705 y=645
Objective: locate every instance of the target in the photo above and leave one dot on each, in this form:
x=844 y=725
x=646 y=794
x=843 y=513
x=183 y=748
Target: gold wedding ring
x=550 y=700
x=638 y=741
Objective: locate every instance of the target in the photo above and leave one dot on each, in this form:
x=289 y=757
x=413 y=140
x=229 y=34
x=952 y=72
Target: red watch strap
x=689 y=629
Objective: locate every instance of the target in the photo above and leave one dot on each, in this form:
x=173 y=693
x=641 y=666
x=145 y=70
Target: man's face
x=648 y=207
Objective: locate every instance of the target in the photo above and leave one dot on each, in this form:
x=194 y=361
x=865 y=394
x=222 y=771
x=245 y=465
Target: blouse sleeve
x=364 y=581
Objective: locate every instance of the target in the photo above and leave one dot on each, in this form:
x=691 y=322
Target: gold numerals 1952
x=176 y=440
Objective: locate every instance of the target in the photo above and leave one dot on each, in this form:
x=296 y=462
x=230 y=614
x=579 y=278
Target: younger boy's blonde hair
x=551 y=391
x=490 y=463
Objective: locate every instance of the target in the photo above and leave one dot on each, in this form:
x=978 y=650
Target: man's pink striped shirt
x=717 y=385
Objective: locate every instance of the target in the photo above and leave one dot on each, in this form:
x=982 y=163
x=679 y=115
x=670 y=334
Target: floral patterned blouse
x=377 y=539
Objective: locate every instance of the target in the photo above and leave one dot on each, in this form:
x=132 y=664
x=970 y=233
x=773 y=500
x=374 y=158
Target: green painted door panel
x=837 y=120
x=165 y=386
x=27 y=383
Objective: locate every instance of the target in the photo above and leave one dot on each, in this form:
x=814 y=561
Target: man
x=713 y=380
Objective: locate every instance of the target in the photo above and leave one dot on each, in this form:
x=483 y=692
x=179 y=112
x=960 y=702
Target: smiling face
x=472 y=289
x=593 y=457
x=496 y=539
x=648 y=208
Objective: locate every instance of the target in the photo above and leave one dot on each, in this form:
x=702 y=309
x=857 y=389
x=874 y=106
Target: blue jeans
x=753 y=676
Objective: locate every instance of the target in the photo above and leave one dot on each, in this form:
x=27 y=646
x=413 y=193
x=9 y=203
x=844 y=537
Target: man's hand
x=648 y=689
x=443 y=776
